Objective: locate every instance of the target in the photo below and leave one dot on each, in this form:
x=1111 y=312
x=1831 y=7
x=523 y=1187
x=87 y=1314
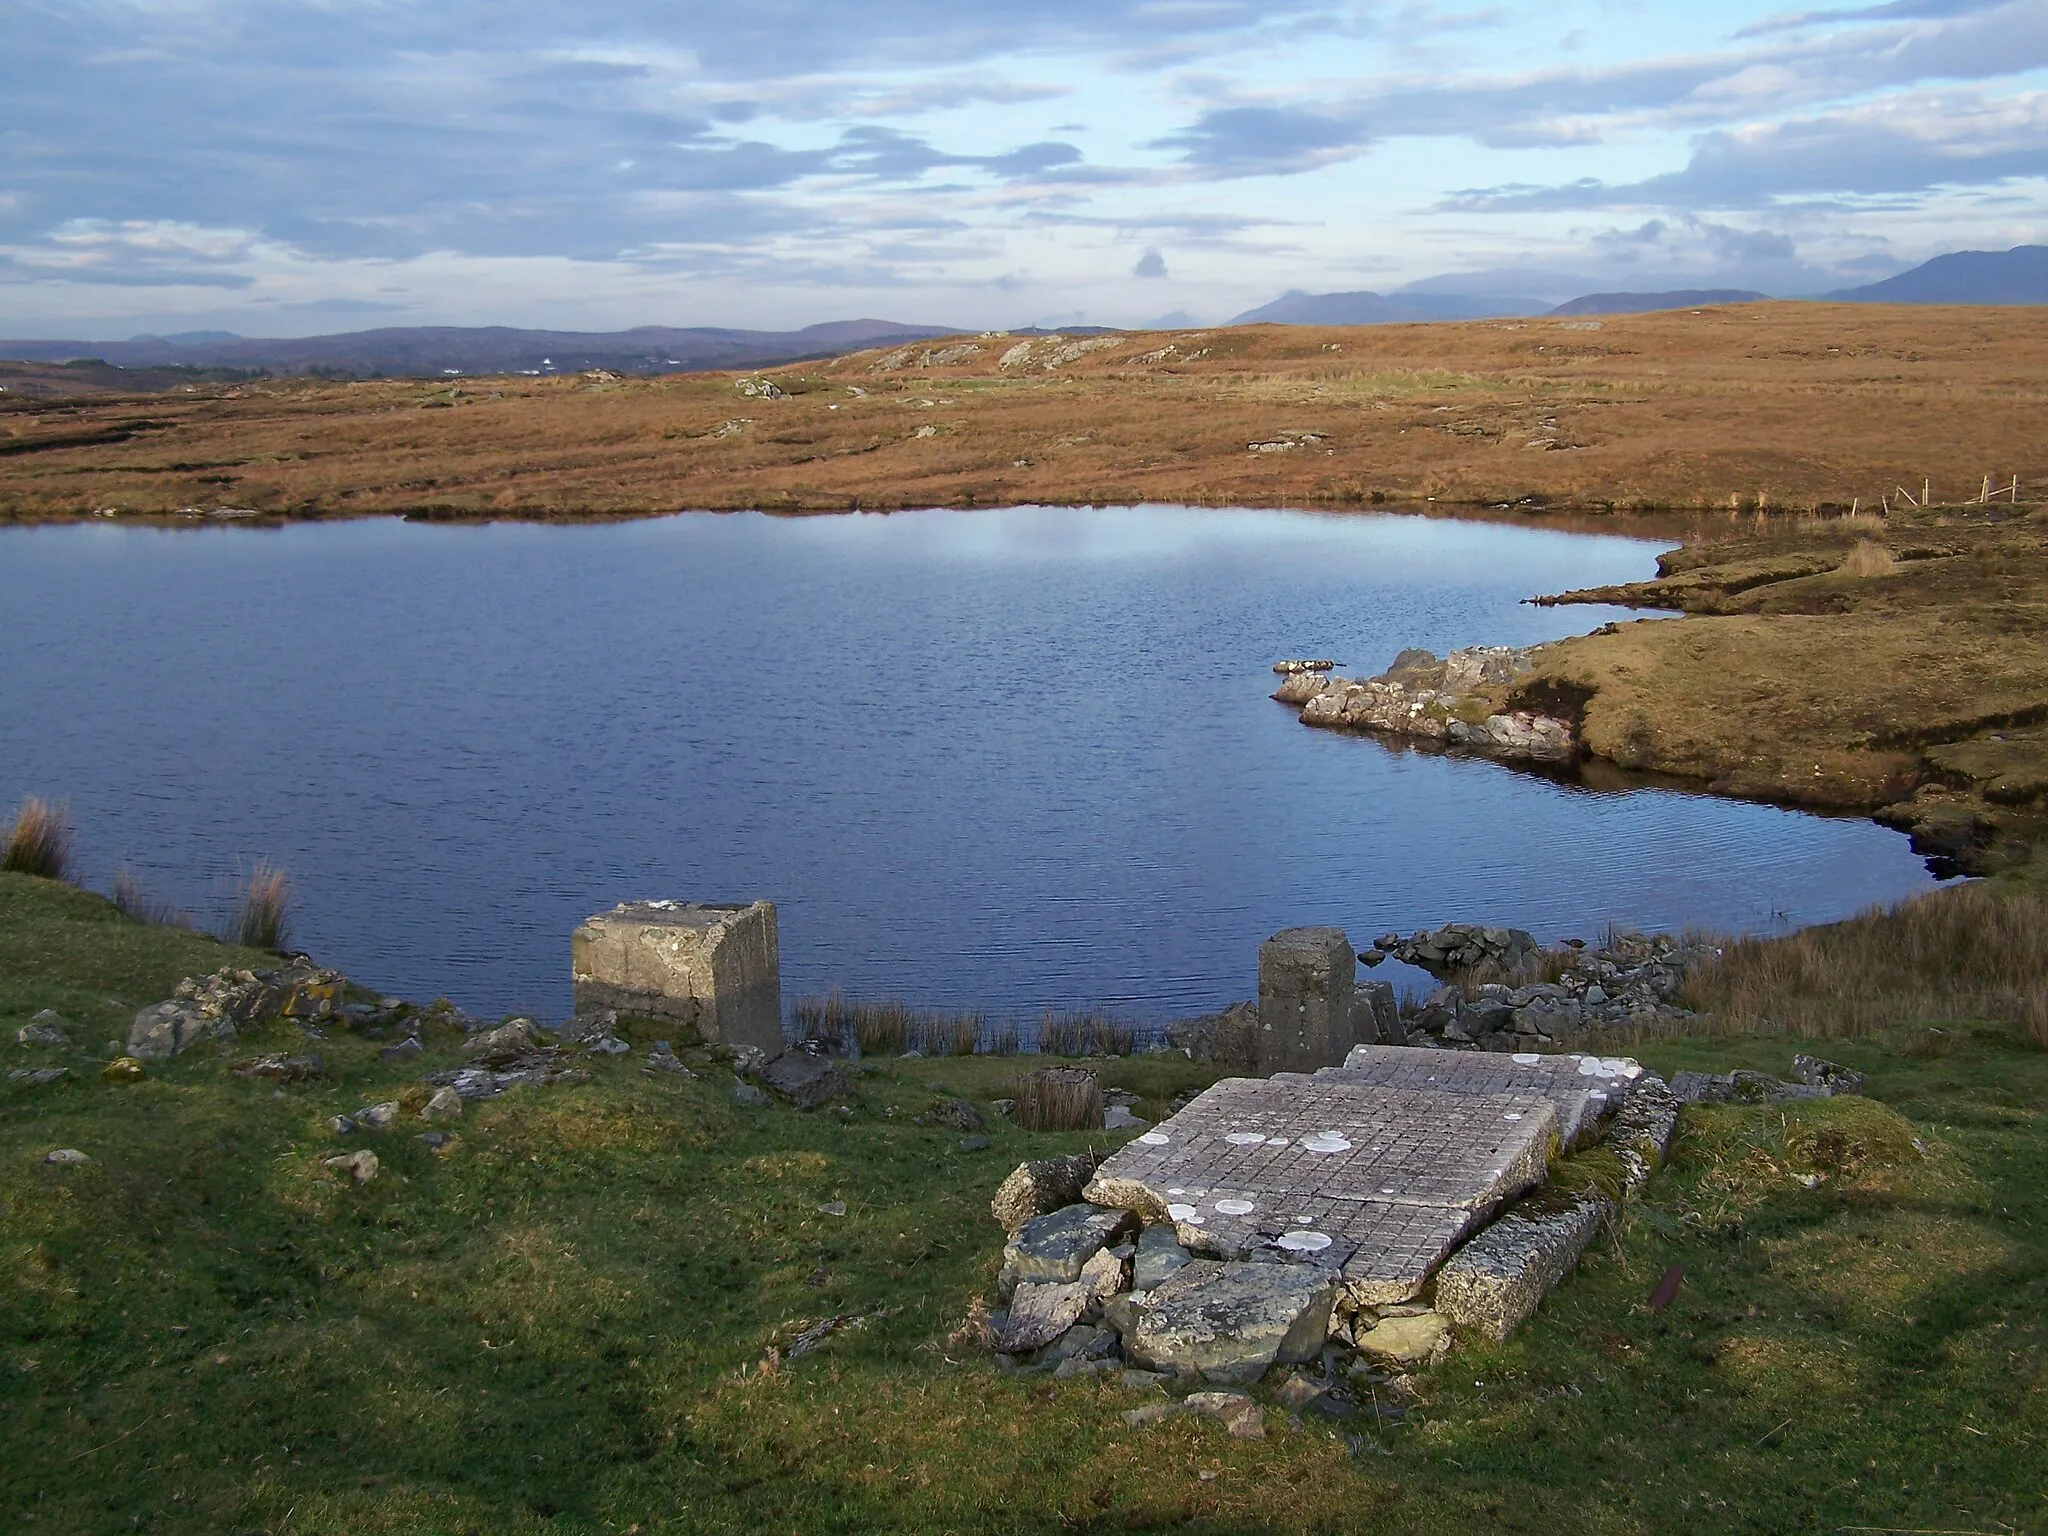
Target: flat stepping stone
x=1375 y=1182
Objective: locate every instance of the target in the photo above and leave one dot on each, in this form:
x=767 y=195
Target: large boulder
x=1232 y=1321
x=1230 y=1039
x=1056 y=1247
x=1043 y=1185
x=805 y=1080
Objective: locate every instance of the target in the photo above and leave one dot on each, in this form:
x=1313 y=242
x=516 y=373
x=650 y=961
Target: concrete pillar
x=1305 y=1017
x=716 y=969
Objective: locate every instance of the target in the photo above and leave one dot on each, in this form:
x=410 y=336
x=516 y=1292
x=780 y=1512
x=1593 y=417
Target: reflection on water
x=1002 y=759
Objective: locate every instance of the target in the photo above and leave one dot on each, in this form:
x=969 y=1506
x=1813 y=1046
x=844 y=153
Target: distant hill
x=2017 y=276
x=1641 y=303
x=446 y=349
x=1298 y=308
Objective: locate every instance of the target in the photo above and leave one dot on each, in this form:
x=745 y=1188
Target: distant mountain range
x=1641 y=303
x=2017 y=276
x=412 y=351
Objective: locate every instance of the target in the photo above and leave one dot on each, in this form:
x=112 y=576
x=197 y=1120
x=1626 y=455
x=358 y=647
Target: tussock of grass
x=1868 y=558
x=1975 y=952
x=1059 y=1099
x=262 y=915
x=39 y=842
x=139 y=906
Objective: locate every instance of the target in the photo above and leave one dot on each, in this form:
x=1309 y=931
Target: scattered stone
x=122 y=1069
x=342 y=1125
x=444 y=1104
x=377 y=1116
x=1232 y=1321
x=975 y=1143
x=955 y=1115
x=806 y=1081
x=315 y=996
x=509 y=1043
x=1159 y=1256
x=1151 y=1413
x=1083 y=1341
x=1500 y=1277
x=1406 y=1341
x=716 y=969
x=833 y=1208
x=1055 y=1247
x=280 y=1068
x=748 y=1096
x=45 y=1028
x=36 y=1077
x=1816 y=1073
x=1236 y=1412
x=409 y=1046
x=663 y=1059
x=66 y=1157
x=360 y=1166
x=1039 y=1187
x=1039 y=1313
x=1118 y=1118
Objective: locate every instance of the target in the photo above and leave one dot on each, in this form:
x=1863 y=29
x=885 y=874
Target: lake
x=1001 y=759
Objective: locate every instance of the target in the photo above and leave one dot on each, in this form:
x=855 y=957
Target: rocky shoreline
x=1470 y=699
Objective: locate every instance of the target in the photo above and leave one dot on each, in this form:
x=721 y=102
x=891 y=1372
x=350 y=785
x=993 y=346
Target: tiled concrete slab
x=1583 y=1089
x=1375 y=1180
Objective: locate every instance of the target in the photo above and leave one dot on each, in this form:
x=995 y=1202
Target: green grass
x=559 y=1326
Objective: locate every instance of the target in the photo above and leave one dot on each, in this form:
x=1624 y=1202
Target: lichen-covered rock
x=166 y=1029
x=1232 y=1321
x=1407 y=1341
x=1038 y=1187
x=1038 y=1314
x=1159 y=1256
x=1501 y=1276
x=1057 y=1246
x=1230 y=1039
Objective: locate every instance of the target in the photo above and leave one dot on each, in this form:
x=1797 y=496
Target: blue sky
x=281 y=167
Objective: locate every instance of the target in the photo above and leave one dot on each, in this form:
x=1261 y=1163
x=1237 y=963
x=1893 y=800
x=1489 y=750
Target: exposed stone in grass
x=1231 y=1321
x=1058 y=1246
x=1405 y=1341
x=1041 y=1186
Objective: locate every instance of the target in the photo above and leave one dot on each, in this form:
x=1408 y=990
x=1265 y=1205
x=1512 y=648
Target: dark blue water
x=1003 y=759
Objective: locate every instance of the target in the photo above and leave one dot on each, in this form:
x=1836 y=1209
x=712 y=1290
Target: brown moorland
x=1789 y=406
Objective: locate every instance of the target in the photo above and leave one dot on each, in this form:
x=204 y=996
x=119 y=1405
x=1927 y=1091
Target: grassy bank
x=559 y=1324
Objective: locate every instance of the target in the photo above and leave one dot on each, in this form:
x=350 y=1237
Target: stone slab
x=716 y=969
x=1582 y=1089
x=1375 y=1181
x=1502 y=1275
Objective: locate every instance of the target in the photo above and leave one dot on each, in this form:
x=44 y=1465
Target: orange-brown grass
x=262 y=915
x=1777 y=407
x=1059 y=1099
x=39 y=842
x=1976 y=952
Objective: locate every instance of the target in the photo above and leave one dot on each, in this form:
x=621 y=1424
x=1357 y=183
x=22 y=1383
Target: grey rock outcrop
x=1232 y=1321
x=1423 y=697
x=1230 y=1039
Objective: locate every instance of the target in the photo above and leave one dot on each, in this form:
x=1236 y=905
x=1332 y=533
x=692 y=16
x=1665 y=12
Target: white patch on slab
x=1245 y=1138
x=1304 y=1242
x=1325 y=1142
x=1179 y=1212
x=1526 y=1058
x=1155 y=1138
x=1235 y=1207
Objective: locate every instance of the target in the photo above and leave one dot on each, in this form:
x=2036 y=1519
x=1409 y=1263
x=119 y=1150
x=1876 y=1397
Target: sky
x=290 y=167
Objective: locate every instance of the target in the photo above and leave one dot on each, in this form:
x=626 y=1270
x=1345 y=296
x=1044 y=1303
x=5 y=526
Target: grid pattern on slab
x=1581 y=1096
x=1393 y=1177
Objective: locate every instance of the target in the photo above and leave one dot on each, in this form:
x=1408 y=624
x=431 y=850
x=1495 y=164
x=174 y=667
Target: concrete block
x=716 y=969
x=1499 y=1278
x=1305 y=1013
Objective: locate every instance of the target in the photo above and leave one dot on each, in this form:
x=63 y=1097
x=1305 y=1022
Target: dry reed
x=890 y=1028
x=139 y=906
x=1867 y=557
x=1059 y=1099
x=1973 y=952
x=39 y=842
x=1084 y=1032
x=262 y=916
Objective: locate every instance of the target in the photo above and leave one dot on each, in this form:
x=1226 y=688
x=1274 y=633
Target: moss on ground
x=561 y=1324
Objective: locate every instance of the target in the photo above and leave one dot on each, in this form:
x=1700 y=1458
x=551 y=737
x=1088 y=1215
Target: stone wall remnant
x=715 y=968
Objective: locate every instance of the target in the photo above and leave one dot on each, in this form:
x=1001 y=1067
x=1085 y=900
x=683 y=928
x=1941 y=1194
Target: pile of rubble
x=1341 y=1222
x=1632 y=981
